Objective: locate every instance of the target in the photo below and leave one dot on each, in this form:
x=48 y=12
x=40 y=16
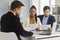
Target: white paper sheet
x=45 y=27
x=30 y=27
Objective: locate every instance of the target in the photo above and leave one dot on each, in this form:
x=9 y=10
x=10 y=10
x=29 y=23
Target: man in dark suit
x=46 y=18
x=11 y=23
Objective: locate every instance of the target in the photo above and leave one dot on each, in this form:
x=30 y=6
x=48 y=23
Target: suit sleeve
x=54 y=19
x=20 y=29
x=25 y=33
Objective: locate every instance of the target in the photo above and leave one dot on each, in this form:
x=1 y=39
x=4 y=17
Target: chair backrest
x=54 y=28
x=8 y=36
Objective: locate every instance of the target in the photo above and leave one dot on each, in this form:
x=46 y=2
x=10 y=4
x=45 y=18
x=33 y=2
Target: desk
x=55 y=36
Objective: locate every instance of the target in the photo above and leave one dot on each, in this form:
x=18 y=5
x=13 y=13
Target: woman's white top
x=27 y=22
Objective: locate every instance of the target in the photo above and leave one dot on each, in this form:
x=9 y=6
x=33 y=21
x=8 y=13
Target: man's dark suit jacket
x=11 y=23
x=51 y=19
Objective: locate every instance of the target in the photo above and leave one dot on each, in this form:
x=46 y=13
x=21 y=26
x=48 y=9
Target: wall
x=57 y=2
x=25 y=9
x=5 y=6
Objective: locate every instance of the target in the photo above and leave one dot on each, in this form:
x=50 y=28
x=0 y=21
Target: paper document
x=45 y=27
x=30 y=27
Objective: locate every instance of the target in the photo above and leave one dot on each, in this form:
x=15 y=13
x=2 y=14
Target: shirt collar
x=12 y=12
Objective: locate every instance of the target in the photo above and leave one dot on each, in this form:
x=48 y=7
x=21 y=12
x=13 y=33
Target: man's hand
x=50 y=29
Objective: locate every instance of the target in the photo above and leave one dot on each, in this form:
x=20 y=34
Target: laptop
x=46 y=32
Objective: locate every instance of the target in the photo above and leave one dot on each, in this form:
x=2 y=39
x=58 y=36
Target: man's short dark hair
x=16 y=4
x=46 y=7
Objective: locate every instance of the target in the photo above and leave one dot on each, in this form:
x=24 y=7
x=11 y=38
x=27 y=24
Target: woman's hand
x=32 y=30
x=38 y=29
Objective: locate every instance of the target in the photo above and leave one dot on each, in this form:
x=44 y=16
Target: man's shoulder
x=51 y=16
x=3 y=16
x=7 y=15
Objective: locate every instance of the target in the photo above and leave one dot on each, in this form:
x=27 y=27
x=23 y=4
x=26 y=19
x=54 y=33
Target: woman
x=32 y=19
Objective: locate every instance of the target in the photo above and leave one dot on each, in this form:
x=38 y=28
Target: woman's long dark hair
x=36 y=18
x=35 y=14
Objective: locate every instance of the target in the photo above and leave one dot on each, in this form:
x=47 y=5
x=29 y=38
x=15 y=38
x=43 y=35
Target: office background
x=54 y=4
